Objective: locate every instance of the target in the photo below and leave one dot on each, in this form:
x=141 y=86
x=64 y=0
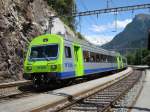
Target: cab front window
x=45 y=52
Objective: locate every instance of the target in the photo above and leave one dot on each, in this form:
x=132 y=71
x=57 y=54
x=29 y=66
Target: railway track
x=23 y=88
x=106 y=99
x=100 y=95
x=12 y=89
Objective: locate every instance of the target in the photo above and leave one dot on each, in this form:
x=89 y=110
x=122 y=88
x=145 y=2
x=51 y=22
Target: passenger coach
x=52 y=57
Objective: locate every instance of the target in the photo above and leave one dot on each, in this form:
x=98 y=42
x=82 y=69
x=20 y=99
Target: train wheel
x=36 y=82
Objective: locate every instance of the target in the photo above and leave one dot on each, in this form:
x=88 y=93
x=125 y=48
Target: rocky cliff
x=20 y=21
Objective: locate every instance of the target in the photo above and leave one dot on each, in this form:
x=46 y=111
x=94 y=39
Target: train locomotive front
x=44 y=59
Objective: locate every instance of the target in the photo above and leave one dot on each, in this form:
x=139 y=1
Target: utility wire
x=92 y=18
x=109 y=10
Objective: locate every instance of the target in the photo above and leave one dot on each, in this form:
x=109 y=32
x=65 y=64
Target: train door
x=78 y=61
x=118 y=62
x=122 y=66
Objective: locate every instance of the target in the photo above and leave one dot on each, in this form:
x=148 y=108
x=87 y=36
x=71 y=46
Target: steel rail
x=123 y=93
x=57 y=99
x=15 y=83
x=104 y=103
x=11 y=89
x=81 y=95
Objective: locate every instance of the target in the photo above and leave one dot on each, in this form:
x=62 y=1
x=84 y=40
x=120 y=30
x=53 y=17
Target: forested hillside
x=133 y=40
x=135 y=35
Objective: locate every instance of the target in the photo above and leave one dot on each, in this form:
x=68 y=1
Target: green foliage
x=79 y=35
x=64 y=9
x=147 y=60
x=139 y=57
x=130 y=59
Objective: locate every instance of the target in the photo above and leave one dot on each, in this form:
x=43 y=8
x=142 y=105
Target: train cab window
x=67 y=52
x=86 y=56
x=45 y=52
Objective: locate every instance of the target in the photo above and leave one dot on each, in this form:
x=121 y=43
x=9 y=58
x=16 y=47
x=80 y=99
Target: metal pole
x=50 y=24
x=148 y=40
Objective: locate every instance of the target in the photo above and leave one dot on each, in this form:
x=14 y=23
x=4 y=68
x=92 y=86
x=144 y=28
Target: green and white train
x=52 y=57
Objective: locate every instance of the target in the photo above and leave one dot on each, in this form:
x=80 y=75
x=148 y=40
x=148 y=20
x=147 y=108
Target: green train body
x=52 y=57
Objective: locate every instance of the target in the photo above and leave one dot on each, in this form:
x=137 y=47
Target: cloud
x=102 y=28
x=122 y=24
x=98 y=28
x=99 y=39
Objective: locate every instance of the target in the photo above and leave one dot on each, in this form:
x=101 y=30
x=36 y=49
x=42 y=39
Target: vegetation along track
x=13 y=89
x=105 y=100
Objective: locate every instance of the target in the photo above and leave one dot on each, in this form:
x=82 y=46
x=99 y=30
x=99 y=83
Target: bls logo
x=68 y=65
x=41 y=67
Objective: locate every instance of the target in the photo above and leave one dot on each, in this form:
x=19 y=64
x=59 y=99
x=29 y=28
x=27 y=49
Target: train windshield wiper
x=45 y=56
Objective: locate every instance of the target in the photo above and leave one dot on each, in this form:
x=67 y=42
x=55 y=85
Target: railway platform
x=46 y=100
x=143 y=102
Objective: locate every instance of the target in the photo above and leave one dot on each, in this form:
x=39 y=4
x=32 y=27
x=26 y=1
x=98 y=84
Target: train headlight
x=53 y=67
x=29 y=68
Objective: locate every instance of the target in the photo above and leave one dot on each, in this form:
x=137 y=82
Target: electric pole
x=49 y=30
x=148 y=40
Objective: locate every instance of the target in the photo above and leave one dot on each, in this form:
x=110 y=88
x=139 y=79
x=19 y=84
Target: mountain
x=134 y=35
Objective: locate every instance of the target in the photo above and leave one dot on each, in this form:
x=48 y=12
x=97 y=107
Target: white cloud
x=102 y=28
x=122 y=24
x=98 y=39
x=98 y=28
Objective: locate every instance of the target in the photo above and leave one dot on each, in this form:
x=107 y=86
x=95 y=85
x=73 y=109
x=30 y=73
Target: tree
x=130 y=58
x=140 y=56
x=147 y=60
x=80 y=36
x=64 y=9
x=145 y=53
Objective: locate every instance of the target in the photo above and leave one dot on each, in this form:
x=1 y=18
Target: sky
x=102 y=28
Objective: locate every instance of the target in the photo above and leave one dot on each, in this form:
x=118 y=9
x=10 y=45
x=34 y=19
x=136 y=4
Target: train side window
x=114 y=59
x=106 y=58
x=97 y=58
x=86 y=56
x=101 y=57
x=68 y=52
x=110 y=59
x=92 y=57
